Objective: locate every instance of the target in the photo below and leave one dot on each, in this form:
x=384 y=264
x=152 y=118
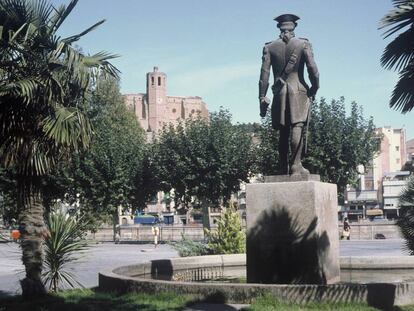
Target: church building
x=155 y=109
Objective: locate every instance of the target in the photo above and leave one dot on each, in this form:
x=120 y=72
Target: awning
x=374 y=212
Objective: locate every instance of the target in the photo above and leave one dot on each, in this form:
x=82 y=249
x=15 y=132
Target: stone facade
x=155 y=109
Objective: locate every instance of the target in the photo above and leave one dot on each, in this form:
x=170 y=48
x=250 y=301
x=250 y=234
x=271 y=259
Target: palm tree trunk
x=33 y=232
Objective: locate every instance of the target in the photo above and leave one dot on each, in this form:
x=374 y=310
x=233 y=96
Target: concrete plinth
x=292 y=233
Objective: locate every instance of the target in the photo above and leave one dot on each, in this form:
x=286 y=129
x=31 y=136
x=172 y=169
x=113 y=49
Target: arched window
x=152 y=80
x=159 y=81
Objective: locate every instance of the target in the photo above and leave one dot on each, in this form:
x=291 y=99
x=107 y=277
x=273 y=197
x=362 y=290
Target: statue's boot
x=296 y=145
x=298 y=169
x=283 y=167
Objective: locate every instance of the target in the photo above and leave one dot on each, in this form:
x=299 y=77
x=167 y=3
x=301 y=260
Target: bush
x=229 y=238
x=187 y=247
x=62 y=246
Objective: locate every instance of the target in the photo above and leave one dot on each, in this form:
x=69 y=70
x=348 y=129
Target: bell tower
x=157 y=99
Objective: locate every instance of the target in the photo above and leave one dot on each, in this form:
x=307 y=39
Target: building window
x=192 y=110
x=397 y=148
x=152 y=81
x=174 y=110
x=159 y=81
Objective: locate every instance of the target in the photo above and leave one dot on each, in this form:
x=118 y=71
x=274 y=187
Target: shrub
x=229 y=238
x=187 y=247
x=62 y=246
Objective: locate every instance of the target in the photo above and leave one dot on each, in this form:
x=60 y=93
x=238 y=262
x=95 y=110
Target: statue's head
x=287 y=24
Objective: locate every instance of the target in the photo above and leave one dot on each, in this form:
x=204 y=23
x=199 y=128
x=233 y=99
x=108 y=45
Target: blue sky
x=212 y=48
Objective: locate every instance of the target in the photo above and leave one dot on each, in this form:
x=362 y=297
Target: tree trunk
x=33 y=232
x=115 y=220
x=206 y=214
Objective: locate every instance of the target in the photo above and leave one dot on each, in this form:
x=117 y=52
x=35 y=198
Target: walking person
x=156 y=233
x=346 y=232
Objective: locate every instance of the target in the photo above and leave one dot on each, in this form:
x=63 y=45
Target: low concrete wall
x=143 y=233
x=367 y=231
x=380 y=295
x=359 y=231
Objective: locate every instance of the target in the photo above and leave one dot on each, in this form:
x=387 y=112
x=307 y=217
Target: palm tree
x=44 y=86
x=399 y=53
x=406 y=220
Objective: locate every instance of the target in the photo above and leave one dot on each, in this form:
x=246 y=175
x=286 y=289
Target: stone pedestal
x=292 y=232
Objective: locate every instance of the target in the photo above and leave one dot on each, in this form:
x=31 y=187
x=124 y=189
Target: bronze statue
x=292 y=97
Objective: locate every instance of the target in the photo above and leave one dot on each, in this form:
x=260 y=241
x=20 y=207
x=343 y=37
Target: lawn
x=268 y=303
x=90 y=300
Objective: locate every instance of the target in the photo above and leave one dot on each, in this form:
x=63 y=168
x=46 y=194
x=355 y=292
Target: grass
x=90 y=300
x=268 y=303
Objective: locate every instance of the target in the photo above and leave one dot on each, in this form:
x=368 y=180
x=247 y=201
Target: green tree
x=44 y=82
x=266 y=153
x=114 y=171
x=229 y=238
x=338 y=142
x=205 y=160
x=399 y=53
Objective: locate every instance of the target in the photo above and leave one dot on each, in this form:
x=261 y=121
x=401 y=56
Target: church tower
x=157 y=99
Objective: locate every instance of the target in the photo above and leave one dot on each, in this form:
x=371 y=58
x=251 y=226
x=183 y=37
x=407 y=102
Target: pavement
x=105 y=255
x=97 y=258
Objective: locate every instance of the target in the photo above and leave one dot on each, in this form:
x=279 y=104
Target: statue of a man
x=291 y=95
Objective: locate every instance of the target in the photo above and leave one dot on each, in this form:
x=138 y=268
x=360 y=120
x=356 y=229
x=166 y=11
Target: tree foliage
x=266 y=153
x=115 y=170
x=399 y=53
x=203 y=159
x=337 y=143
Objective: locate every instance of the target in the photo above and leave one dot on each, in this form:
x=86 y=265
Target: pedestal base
x=292 y=233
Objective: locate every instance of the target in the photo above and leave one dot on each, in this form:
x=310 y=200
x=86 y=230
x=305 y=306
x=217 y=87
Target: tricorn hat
x=286 y=18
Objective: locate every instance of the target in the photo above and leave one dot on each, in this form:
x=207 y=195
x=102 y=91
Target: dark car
x=379 y=236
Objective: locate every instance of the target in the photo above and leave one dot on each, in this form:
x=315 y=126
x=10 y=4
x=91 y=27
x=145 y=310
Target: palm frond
x=399 y=52
x=403 y=94
x=400 y=17
x=74 y=38
x=44 y=82
x=68 y=127
x=62 y=247
x=61 y=14
x=41 y=11
x=24 y=88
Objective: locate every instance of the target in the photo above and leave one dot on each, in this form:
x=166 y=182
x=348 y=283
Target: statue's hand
x=312 y=92
x=264 y=104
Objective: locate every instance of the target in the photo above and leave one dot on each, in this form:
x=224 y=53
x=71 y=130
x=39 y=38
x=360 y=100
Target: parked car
x=379 y=236
x=378 y=219
x=146 y=219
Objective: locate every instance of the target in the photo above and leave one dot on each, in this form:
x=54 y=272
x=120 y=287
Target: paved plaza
x=105 y=255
